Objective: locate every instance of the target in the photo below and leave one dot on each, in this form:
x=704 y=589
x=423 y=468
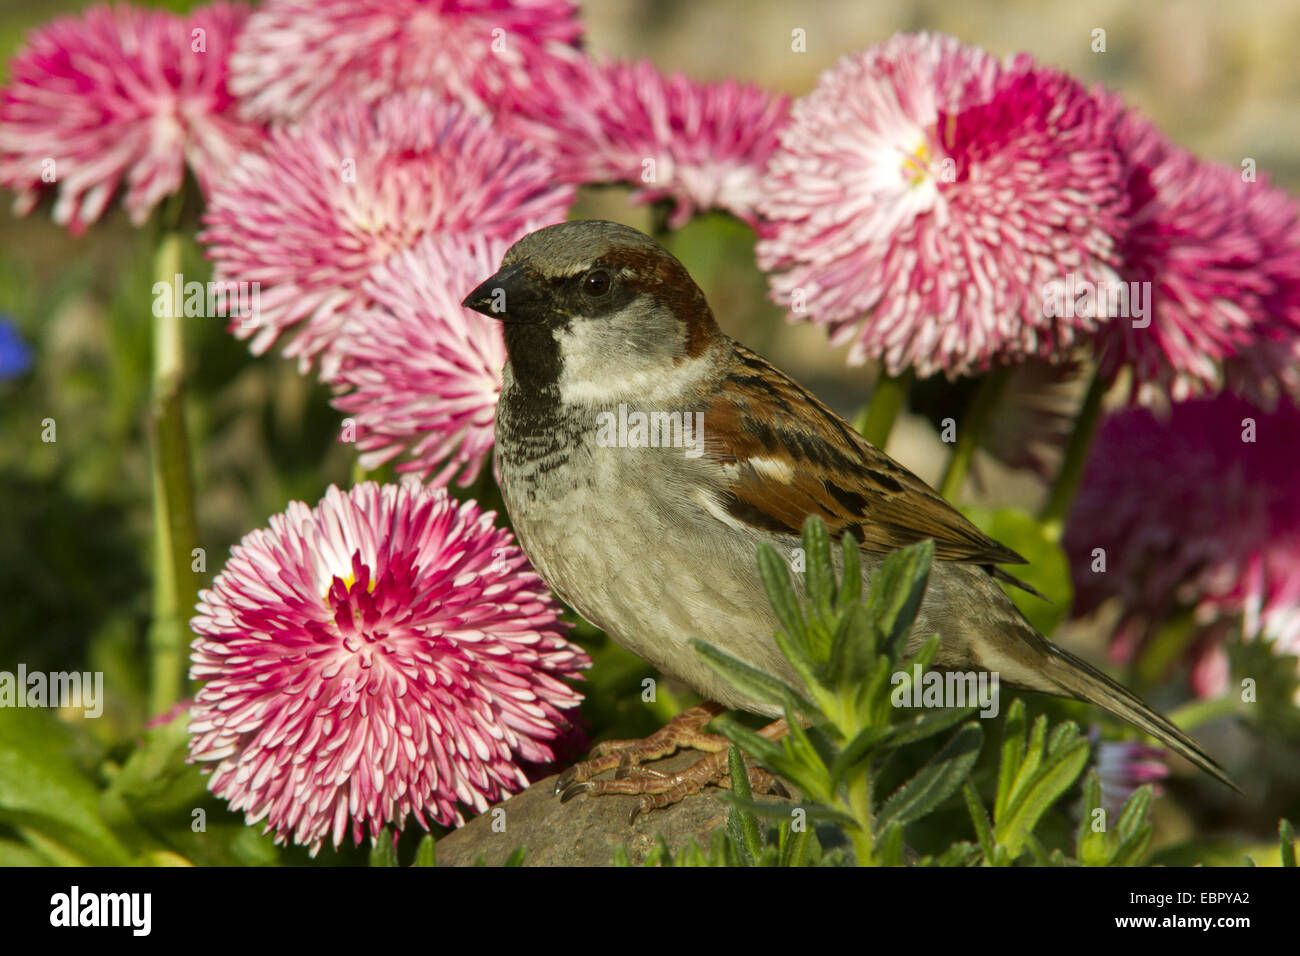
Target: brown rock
x=586 y=830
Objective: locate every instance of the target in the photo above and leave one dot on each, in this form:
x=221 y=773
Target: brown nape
x=658 y=273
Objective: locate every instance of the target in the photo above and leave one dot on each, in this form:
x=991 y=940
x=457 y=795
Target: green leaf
x=426 y=854
x=1133 y=815
x=804 y=667
x=819 y=578
x=1033 y=755
x=959 y=854
x=783 y=810
x=43 y=790
x=891 y=845
x=1013 y=752
x=750 y=680
x=980 y=818
x=773 y=756
x=383 y=852
x=928 y=724
x=851 y=577
x=1091 y=846
x=1038 y=792
x=780 y=594
x=517 y=857
x=1048 y=569
x=897 y=590
x=853 y=647
x=793 y=845
x=1287 y=835
x=13 y=853
x=941 y=776
x=800 y=747
x=742 y=825
x=156 y=782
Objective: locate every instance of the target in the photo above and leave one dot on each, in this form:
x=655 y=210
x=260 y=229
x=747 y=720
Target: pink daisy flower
x=1212 y=252
x=423 y=372
x=923 y=197
x=1269 y=364
x=384 y=654
x=701 y=145
x=120 y=95
x=297 y=54
x=1185 y=513
x=336 y=195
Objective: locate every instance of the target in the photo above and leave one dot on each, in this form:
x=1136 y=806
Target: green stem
x=1057 y=508
x=971 y=430
x=876 y=421
x=175 y=530
x=661 y=210
x=859 y=805
x=1194 y=713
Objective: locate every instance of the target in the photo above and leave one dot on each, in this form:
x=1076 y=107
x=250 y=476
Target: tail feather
x=1081 y=681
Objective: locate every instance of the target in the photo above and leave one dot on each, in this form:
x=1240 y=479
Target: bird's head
x=595 y=307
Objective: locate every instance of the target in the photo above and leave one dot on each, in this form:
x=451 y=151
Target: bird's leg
x=659 y=790
x=684 y=730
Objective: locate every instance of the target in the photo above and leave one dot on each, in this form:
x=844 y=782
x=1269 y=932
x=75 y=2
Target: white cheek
x=599 y=369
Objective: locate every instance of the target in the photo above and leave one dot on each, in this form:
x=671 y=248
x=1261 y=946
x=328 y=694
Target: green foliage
x=1127 y=842
x=844 y=730
x=849 y=651
x=426 y=853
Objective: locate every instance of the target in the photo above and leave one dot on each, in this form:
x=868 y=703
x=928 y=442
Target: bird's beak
x=507 y=296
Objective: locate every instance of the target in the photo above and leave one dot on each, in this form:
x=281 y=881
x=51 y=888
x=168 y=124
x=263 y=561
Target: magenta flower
x=336 y=195
x=1197 y=512
x=1125 y=765
x=120 y=95
x=1220 y=258
x=701 y=145
x=924 y=196
x=423 y=372
x=384 y=654
x=297 y=54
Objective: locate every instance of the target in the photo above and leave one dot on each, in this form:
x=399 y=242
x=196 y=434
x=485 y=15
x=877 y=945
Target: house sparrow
x=655 y=545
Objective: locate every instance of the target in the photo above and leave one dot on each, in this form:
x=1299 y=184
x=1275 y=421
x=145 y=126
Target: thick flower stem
x=971 y=430
x=1057 y=508
x=859 y=800
x=175 y=534
x=876 y=421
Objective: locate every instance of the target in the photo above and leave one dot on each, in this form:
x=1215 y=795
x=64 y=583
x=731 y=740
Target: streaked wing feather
x=790 y=457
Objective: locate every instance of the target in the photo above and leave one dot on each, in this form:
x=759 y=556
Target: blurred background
x=1220 y=79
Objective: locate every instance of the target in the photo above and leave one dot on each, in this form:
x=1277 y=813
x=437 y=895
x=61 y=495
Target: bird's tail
x=1081 y=681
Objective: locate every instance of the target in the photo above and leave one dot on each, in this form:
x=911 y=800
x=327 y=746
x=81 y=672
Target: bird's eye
x=596 y=282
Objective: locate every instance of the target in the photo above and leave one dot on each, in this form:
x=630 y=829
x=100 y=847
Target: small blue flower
x=15 y=355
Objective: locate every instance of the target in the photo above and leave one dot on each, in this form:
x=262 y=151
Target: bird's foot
x=684 y=730
x=658 y=789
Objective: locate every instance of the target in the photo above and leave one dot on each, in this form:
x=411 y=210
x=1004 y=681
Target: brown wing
x=790 y=457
